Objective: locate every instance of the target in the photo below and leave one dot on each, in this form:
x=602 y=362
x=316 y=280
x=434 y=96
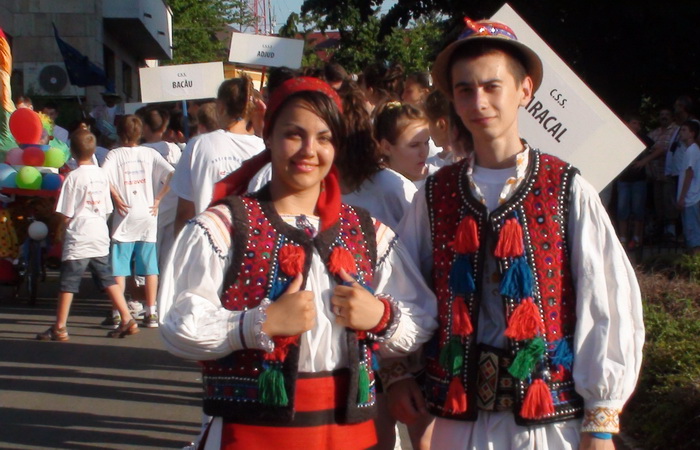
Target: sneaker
x=150 y=321
x=127 y=329
x=111 y=322
x=136 y=309
x=53 y=334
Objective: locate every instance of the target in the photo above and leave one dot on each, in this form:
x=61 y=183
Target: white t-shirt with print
x=168 y=205
x=208 y=159
x=138 y=174
x=85 y=199
x=691 y=158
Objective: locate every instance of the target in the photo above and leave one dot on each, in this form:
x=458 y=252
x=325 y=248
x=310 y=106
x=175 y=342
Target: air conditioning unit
x=49 y=79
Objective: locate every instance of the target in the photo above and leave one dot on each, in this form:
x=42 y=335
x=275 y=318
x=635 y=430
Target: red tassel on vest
x=282 y=344
x=291 y=260
x=456 y=401
x=341 y=258
x=525 y=322
x=461 y=322
x=510 y=240
x=466 y=237
x=538 y=401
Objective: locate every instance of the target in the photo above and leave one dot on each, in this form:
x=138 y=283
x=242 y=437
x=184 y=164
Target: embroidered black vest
x=540 y=205
x=231 y=384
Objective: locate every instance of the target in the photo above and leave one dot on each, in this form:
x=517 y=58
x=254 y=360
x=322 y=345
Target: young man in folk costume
x=540 y=331
x=273 y=292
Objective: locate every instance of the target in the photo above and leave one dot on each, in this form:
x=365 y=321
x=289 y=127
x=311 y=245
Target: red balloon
x=33 y=156
x=25 y=126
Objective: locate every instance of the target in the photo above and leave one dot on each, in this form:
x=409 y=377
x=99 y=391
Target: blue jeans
x=631 y=200
x=691 y=225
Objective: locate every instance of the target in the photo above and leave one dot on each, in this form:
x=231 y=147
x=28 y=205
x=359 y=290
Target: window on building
x=109 y=65
x=127 y=80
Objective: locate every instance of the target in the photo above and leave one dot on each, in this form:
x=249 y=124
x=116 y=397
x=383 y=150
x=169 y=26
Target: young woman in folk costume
x=287 y=295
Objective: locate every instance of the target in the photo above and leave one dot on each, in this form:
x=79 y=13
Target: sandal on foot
x=131 y=327
x=53 y=334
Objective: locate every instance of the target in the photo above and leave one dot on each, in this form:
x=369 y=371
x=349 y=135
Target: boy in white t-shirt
x=85 y=203
x=689 y=185
x=139 y=178
x=210 y=157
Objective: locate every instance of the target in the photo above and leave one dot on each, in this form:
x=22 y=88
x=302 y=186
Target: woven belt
x=495 y=386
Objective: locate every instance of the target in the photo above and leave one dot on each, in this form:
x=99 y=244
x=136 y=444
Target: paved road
x=90 y=392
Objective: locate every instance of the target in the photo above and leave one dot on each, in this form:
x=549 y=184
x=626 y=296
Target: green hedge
x=664 y=412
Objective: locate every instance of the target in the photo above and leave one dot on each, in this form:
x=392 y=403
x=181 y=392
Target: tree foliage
x=196 y=23
x=624 y=50
x=361 y=42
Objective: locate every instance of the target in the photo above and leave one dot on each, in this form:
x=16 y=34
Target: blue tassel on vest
x=563 y=356
x=279 y=286
x=461 y=277
x=375 y=362
x=518 y=281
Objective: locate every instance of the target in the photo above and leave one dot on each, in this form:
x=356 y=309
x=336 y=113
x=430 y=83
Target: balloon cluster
x=27 y=129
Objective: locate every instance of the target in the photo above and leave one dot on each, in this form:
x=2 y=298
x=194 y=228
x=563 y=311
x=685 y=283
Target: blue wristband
x=605 y=436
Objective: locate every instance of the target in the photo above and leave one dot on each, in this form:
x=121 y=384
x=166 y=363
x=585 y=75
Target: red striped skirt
x=317 y=397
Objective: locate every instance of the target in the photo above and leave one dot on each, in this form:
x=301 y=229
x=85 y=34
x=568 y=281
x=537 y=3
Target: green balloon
x=29 y=178
x=54 y=157
x=3 y=155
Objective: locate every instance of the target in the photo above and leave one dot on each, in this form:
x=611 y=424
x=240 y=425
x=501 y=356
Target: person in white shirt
x=155 y=122
x=85 y=203
x=210 y=157
x=689 y=185
x=291 y=341
x=541 y=332
x=139 y=178
x=51 y=110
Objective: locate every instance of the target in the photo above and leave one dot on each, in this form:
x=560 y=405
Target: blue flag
x=81 y=71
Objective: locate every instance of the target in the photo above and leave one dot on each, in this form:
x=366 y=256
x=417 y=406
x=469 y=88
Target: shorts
x=72 y=271
x=691 y=225
x=143 y=255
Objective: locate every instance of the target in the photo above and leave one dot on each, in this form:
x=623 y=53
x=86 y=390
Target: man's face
x=487 y=96
x=665 y=117
x=685 y=134
x=51 y=113
x=635 y=125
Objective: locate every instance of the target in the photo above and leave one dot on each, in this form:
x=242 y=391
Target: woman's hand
x=588 y=442
x=354 y=306
x=291 y=314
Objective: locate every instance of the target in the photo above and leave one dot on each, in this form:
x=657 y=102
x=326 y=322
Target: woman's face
x=413 y=93
x=302 y=151
x=439 y=132
x=407 y=156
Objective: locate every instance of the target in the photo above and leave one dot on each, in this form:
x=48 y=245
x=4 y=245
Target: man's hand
x=291 y=314
x=406 y=401
x=354 y=306
x=588 y=442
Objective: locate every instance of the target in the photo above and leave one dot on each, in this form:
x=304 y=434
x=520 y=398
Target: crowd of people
x=340 y=252
x=657 y=197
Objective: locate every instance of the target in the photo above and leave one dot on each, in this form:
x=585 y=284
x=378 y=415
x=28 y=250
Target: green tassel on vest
x=526 y=359
x=271 y=387
x=363 y=385
x=452 y=356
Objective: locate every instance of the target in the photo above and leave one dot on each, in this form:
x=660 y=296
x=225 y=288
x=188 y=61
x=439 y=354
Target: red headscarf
x=328 y=204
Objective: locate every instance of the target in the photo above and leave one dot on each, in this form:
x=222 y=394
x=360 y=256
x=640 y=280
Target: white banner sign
x=182 y=82
x=565 y=118
x=258 y=50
